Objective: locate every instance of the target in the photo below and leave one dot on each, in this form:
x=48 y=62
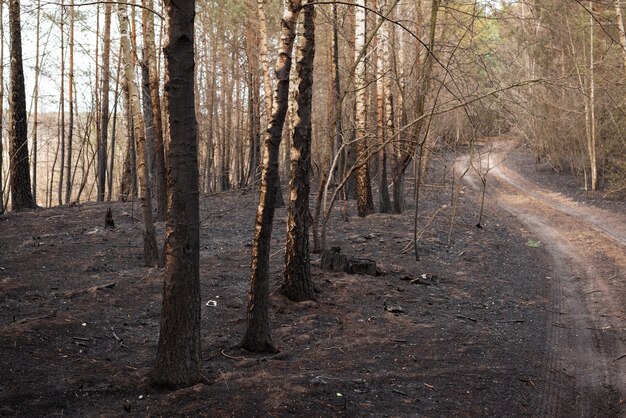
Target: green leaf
x=533 y=244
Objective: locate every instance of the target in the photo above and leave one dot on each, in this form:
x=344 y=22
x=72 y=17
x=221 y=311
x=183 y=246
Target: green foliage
x=533 y=244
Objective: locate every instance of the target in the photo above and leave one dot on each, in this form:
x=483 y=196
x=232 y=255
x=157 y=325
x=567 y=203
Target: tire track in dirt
x=586 y=331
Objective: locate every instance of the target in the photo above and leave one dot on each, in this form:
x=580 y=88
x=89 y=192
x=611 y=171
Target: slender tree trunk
x=297 y=284
x=62 y=103
x=381 y=86
x=178 y=361
x=365 y=203
x=267 y=83
x=35 y=103
x=1 y=108
x=151 y=252
x=591 y=144
x=159 y=150
x=21 y=196
x=114 y=130
x=70 y=128
x=146 y=108
x=622 y=31
x=257 y=337
x=104 y=113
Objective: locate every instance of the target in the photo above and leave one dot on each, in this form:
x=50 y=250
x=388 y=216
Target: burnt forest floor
x=462 y=332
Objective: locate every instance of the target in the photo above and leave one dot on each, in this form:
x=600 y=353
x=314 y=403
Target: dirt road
x=585 y=356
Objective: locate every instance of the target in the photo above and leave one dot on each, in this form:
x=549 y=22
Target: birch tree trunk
x=365 y=204
x=178 y=361
x=591 y=143
x=21 y=196
x=151 y=252
x=258 y=337
x=297 y=284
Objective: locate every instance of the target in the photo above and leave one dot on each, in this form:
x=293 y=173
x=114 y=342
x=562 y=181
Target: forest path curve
x=585 y=362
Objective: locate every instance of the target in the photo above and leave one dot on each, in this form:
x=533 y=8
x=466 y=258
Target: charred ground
x=463 y=331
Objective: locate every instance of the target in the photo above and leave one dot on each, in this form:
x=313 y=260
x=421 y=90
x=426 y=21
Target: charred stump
x=335 y=261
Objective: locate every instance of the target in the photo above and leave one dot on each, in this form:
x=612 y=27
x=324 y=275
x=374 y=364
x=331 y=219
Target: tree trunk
x=21 y=195
x=591 y=143
x=104 y=113
x=146 y=109
x=129 y=172
x=2 y=108
x=297 y=284
x=381 y=85
x=151 y=252
x=62 y=105
x=35 y=104
x=70 y=95
x=365 y=204
x=267 y=84
x=178 y=361
x=114 y=131
x=258 y=337
x=158 y=144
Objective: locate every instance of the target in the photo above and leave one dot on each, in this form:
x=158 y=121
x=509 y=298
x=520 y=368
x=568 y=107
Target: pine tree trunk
x=365 y=204
x=1 y=108
x=158 y=144
x=381 y=87
x=267 y=84
x=35 y=104
x=151 y=252
x=297 y=284
x=114 y=131
x=70 y=128
x=104 y=113
x=178 y=361
x=21 y=195
x=258 y=337
x=62 y=105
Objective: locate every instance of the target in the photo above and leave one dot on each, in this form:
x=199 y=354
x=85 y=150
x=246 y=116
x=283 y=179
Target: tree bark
x=151 y=252
x=21 y=195
x=267 y=84
x=104 y=113
x=365 y=203
x=258 y=337
x=114 y=131
x=178 y=360
x=158 y=144
x=70 y=96
x=62 y=105
x=35 y=104
x=297 y=284
x=384 y=203
x=1 y=108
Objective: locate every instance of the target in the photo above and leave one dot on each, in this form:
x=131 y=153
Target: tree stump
x=335 y=261
x=108 y=220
